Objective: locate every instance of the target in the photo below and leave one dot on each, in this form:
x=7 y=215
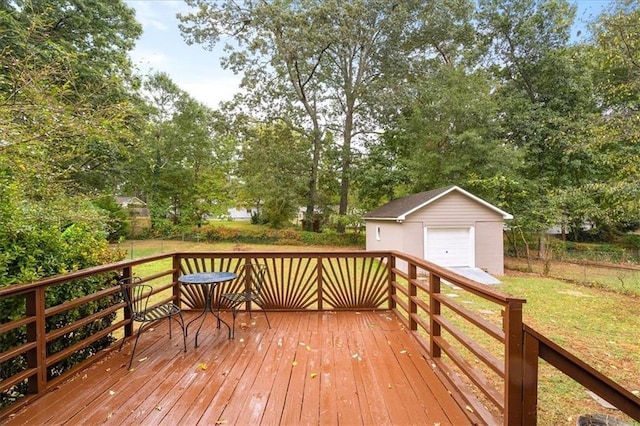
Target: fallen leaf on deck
x=85 y=376
x=314 y=375
x=241 y=340
x=308 y=347
x=404 y=351
x=468 y=408
x=111 y=392
x=294 y=363
x=143 y=359
x=107 y=369
x=389 y=385
x=159 y=407
x=202 y=366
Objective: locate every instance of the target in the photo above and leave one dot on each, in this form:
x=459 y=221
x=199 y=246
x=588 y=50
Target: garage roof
x=400 y=208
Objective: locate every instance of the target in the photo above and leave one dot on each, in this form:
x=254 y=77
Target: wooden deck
x=309 y=368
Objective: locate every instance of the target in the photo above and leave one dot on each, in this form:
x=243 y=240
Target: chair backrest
x=255 y=272
x=135 y=294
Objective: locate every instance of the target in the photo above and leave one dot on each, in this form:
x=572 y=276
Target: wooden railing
x=484 y=362
x=444 y=328
x=536 y=347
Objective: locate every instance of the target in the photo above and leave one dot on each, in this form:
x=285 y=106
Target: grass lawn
x=600 y=327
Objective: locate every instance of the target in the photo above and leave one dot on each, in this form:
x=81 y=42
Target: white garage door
x=449 y=246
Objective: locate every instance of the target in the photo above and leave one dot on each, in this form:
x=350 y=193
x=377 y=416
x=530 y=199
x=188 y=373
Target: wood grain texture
x=309 y=368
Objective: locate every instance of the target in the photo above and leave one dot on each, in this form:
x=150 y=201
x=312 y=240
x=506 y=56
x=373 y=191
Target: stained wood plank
x=310 y=368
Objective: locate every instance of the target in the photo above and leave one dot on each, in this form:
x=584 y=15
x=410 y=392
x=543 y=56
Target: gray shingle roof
x=400 y=207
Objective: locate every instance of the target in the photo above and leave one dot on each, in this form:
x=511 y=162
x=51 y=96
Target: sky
x=198 y=71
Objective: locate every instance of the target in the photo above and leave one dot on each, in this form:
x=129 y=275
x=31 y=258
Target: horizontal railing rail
x=474 y=334
x=537 y=346
x=478 y=358
x=36 y=363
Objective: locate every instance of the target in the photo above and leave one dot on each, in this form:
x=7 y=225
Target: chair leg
x=234 y=312
x=267 y=317
x=264 y=312
x=184 y=334
x=133 y=351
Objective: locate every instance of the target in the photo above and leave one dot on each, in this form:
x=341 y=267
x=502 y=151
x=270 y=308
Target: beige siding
x=490 y=247
x=454 y=209
x=413 y=238
x=390 y=235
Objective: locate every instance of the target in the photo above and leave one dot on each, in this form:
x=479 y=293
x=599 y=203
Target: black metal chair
x=254 y=273
x=137 y=295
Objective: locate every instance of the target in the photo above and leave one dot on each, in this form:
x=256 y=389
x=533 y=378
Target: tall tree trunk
x=313 y=179
x=346 y=166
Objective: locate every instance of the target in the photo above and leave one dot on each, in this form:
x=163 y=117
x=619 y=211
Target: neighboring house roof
x=400 y=208
x=126 y=201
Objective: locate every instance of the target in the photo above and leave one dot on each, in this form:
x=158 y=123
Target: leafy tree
x=614 y=139
x=445 y=136
x=64 y=80
x=545 y=99
x=324 y=66
x=270 y=166
x=183 y=162
x=118 y=222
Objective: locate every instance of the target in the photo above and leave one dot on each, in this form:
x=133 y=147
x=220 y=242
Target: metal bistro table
x=208 y=281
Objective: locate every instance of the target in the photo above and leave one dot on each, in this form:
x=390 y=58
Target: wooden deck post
x=391 y=265
x=530 y=380
x=514 y=363
x=413 y=293
x=176 y=284
x=128 y=328
x=434 y=311
x=36 y=358
x=320 y=287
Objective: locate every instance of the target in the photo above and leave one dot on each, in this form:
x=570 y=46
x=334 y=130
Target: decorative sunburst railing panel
x=296 y=281
x=355 y=282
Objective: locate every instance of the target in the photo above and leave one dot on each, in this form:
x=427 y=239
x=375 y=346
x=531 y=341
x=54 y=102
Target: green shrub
x=41 y=239
x=118 y=225
x=631 y=241
x=264 y=235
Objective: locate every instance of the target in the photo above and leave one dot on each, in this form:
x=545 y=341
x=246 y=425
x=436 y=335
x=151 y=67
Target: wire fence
x=623 y=277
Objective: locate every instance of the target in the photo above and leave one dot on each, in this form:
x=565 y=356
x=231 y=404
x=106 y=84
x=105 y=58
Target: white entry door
x=449 y=246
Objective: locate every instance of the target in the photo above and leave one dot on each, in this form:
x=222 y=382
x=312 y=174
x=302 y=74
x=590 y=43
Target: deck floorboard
x=310 y=368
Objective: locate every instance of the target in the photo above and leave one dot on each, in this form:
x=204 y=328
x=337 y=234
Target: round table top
x=207 y=277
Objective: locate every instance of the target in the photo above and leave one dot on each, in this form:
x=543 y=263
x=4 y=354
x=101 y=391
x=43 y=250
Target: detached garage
x=448 y=226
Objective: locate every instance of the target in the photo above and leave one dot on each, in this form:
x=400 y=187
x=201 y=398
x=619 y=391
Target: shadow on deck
x=309 y=368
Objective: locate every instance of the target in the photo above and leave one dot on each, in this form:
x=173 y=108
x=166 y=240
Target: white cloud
x=211 y=91
x=162 y=48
